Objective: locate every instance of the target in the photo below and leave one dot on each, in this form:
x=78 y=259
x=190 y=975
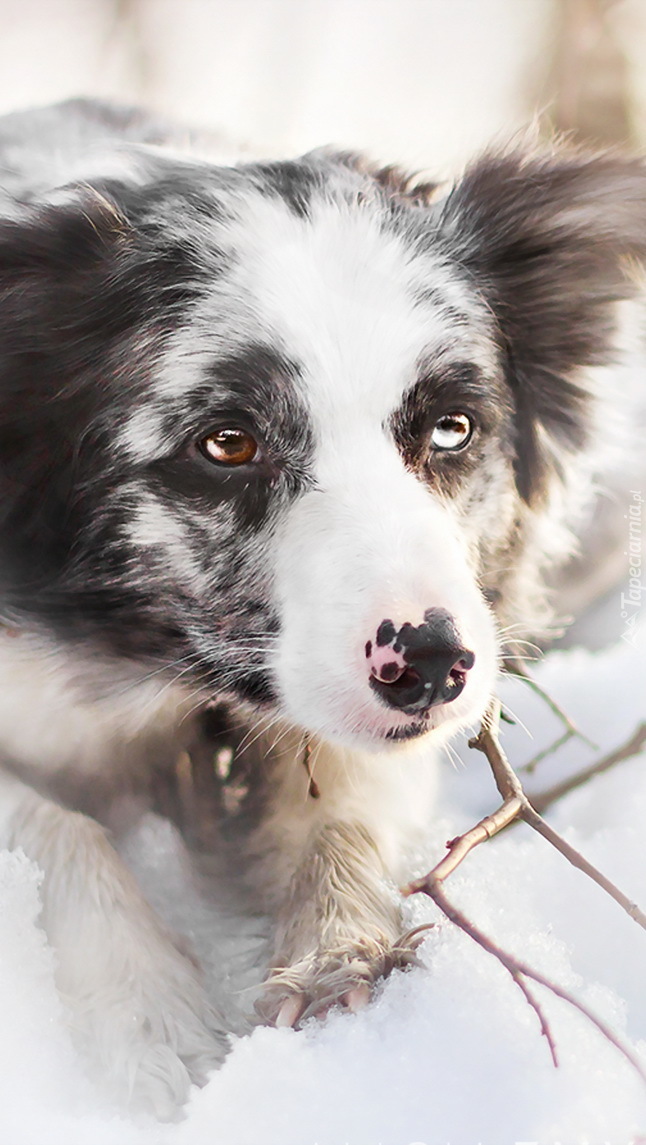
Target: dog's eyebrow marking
x=258 y=383
x=257 y=375
x=441 y=378
x=440 y=381
x=142 y=438
x=441 y=386
x=255 y=379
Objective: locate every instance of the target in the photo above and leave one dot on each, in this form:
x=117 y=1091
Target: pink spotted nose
x=415 y=668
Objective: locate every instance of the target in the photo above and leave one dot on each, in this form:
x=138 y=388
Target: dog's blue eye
x=452 y=431
x=229 y=446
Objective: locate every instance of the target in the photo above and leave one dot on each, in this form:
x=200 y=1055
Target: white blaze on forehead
x=339 y=291
x=369 y=541
x=335 y=292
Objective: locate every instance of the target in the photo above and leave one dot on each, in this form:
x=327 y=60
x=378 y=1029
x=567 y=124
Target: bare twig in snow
x=459 y=848
x=508 y=784
x=520 y=971
x=551 y=748
x=515 y=805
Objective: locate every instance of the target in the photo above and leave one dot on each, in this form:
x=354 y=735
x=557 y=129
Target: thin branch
x=521 y=970
x=630 y=748
x=459 y=848
x=546 y=1032
x=552 y=747
x=515 y=805
x=506 y=717
x=508 y=784
x=578 y=860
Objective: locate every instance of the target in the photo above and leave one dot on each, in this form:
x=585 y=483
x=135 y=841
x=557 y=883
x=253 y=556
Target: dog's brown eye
x=229 y=446
x=451 y=432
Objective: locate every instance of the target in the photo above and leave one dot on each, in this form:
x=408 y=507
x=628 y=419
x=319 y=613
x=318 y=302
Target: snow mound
x=449 y=1052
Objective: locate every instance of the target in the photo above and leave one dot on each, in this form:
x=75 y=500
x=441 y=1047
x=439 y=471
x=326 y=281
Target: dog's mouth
x=355 y=721
x=408 y=732
x=257 y=693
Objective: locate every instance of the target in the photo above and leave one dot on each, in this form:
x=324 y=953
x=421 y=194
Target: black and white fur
x=336 y=313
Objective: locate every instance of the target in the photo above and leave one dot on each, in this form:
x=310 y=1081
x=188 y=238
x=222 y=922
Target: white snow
x=449 y=1053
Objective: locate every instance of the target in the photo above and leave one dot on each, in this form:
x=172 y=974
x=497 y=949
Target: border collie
x=304 y=437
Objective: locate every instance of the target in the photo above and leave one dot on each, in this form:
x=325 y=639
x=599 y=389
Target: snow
x=449 y=1053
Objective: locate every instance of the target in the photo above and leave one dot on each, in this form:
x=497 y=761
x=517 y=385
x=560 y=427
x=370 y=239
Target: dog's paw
x=343 y=977
x=147 y=1039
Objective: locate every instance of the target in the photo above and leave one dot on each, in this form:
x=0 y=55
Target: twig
x=630 y=748
x=459 y=848
x=508 y=784
x=557 y=743
x=516 y=805
x=314 y=790
x=521 y=970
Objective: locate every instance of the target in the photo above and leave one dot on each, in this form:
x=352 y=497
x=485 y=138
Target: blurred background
x=422 y=82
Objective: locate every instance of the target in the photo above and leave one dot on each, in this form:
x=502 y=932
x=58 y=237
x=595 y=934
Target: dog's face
x=284 y=429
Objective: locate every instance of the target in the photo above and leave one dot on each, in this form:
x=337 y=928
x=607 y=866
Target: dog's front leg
x=333 y=862
x=339 y=929
x=135 y=1003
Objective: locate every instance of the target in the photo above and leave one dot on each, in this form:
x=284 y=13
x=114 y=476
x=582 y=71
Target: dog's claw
x=343 y=977
x=358 y=998
x=290 y=1011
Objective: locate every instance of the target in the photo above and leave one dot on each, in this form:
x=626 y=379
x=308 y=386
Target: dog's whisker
x=162 y=670
x=171 y=684
x=279 y=738
x=517 y=720
x=454 y=757
x=264 y=730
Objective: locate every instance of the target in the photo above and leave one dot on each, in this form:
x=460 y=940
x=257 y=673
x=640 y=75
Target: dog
x=307 y=438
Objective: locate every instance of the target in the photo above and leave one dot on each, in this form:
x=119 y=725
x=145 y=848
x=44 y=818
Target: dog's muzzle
x=415 y=668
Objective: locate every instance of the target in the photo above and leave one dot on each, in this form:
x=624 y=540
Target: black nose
x=436 y=665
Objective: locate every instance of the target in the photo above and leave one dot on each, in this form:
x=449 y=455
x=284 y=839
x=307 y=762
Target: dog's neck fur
x=62 y=709
x=64 y=714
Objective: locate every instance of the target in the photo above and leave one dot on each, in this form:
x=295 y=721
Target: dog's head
x=290 y=430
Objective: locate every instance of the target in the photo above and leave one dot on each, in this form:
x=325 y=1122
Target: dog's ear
x=62 y=295
x=83 y=266
x=62 y=232
x=63 y=279
x=548 y=242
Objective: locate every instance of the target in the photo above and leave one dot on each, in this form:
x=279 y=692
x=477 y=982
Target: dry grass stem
x=571 y=731
x=631 y=747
